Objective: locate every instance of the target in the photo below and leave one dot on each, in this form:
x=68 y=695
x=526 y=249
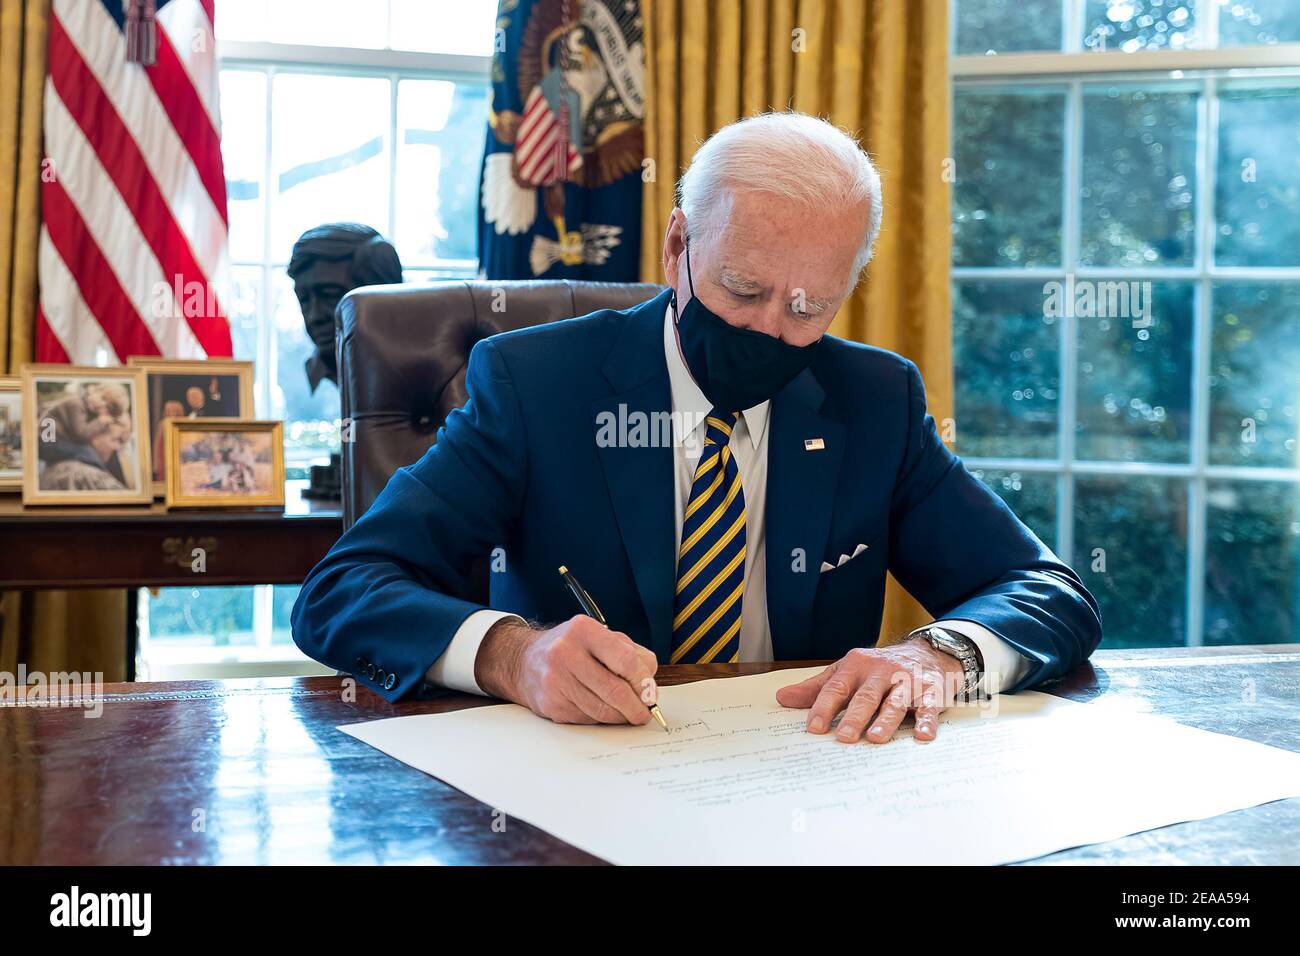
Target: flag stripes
x=133 y=257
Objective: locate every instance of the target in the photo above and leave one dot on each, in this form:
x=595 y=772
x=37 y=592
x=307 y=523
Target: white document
x=740 y=781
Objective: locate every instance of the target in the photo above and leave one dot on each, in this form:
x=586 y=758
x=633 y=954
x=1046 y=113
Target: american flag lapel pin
x=813 y=444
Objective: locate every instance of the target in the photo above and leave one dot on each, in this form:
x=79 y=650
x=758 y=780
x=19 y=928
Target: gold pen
x=591 y=610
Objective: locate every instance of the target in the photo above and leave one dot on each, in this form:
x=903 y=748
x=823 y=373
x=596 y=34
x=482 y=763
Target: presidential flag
x=560 y=187
x=133 y=246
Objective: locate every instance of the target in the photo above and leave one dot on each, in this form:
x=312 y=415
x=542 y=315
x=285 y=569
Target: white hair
x=798 y=157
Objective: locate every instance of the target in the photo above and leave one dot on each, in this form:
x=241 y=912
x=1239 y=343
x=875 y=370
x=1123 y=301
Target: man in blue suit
x=727 y=480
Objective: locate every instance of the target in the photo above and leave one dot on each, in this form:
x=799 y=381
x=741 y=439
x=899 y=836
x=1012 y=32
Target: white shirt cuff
x=1003 y=664
x=455 y=668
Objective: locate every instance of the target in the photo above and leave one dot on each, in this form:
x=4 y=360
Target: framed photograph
x=11 y=433
x=85 y=436
x=191 y=388
x=224 y=463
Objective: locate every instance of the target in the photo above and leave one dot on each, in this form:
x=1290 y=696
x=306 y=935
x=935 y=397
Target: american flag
x=543 y=151
x=133 y=249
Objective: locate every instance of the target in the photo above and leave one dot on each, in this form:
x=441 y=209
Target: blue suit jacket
x=520 y=468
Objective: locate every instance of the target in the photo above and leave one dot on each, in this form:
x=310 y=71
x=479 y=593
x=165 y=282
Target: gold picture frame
x=80 y=462
x=11 y=432
x=186 y=487
x=157 y=369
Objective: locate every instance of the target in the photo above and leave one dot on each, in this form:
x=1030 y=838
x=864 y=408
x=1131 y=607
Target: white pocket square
x=827 y=566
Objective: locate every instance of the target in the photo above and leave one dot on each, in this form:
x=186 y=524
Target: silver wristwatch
x=960 y=647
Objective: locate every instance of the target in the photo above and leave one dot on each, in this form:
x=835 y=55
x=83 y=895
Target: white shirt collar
x=690 y=404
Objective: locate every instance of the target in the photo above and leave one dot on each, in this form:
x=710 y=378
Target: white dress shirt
x=1003 y=664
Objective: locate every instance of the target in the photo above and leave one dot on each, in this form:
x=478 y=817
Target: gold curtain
x=46 y=630
x=24 y=26
x=876 y=68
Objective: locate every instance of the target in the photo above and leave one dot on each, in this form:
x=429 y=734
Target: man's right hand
x=578 y=672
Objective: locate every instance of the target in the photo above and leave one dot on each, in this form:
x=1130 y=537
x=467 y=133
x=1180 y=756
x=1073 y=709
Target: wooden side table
x=148 y=546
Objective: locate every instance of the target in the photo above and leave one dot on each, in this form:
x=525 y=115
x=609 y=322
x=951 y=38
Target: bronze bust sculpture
x=328 y=262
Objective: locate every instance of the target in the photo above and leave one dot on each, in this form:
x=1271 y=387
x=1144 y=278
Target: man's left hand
x=883 y=683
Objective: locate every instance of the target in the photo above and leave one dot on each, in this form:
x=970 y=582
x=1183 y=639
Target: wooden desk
x=274 y=782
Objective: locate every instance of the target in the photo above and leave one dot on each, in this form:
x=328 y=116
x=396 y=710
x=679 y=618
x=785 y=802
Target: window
x=1126 y=286
x=312 y=146
x=331 y=110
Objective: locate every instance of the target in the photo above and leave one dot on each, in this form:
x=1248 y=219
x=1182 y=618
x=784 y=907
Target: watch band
x=960 y=647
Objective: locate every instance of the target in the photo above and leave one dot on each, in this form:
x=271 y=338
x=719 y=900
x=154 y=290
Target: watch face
x=944 y=638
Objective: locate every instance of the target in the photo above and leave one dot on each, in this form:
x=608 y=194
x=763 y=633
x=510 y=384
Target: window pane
x=344 y=23
x=441 y=131
x=1139 y=177
x=1134 y=371
x=244 y=307
x=202 y=617
x=311 y=430
x=330 y=154
x=1252 y=563
x=1258 y=187
x=241 y=20
x=283 y=596
x=444 y=26
x=1007 y=26
x=1007 y=198
x=1133 y=25
x=1243 y=22
x=243 y=150
x=1130 y=548
x=1030 y=494
x=467 y=271
x=1006 y=357
x=1255 y=374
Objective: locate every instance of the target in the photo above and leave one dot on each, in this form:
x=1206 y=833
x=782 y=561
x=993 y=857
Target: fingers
x=892 y=712
x=928 y=710
x=563 y=711
x=803 y=693
x=615 y=701
x=622 y=673
x=590 y=704
x=649 y=691
x=838 y=688
x=862 y=708
x=622 y=655
x=875 y=690
x=562 y=675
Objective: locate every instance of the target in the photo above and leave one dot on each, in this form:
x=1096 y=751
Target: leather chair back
x=403 y=351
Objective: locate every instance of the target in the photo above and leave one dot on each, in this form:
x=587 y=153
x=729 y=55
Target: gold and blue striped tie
x=711 y=557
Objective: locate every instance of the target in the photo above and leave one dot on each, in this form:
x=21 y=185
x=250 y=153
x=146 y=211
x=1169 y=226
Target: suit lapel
x=801 y=486
x=640 y=477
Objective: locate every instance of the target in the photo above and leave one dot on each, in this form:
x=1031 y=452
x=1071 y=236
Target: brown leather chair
x=402 y=356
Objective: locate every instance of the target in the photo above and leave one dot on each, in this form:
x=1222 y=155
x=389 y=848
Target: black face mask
x=735 y=368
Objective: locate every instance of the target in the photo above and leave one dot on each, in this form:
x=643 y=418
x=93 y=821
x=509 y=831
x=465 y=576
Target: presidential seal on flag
x=569 y=123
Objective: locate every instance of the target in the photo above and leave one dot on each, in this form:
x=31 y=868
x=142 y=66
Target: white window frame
x=271 y=59
x=1072 y=68
x=263 y=658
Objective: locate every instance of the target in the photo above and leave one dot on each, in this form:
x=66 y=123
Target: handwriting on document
x=752 y=752
x=740 y=780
